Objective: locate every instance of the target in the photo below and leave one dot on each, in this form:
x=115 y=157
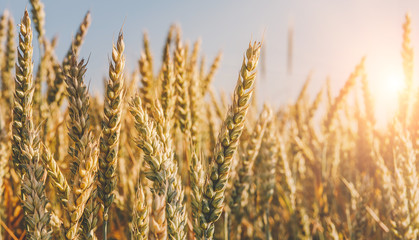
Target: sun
x=393 y=84
x=386 y=89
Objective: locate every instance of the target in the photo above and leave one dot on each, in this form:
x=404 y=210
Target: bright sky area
x=330 y=38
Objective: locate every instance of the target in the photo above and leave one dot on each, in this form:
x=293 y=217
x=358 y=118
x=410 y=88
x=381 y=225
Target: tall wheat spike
x=139 y=225
x=157 y=167
x=146 y=70
x=175 y=208
x=195 y=96
x=181 y=87
x=407 y=56
x=206 y=82
x=7 y=70
x=38 y=16
x=25 y=144
x=242 y=180
x=196 y=176
x=3 y=32
x=216 y=180
x=55 y=93
x=111 y=126
x=337 y=102
x=167 y=97
x=83 y=148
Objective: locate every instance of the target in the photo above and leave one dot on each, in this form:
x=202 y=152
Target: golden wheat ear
x=55 y=92
x=8 y=65
x=25 y=144
x=82 y=149
x=111 y=127
x=218 y=175
x=140 y=218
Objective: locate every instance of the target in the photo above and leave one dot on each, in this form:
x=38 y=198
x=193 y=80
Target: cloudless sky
x=330 y=37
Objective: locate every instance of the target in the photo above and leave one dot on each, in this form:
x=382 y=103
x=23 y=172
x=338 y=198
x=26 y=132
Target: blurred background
x=325 y=37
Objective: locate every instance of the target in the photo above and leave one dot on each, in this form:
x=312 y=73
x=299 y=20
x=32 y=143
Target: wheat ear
x=57 y=178
x=216 y=181
x=38 y=16
x=242 y=181
x=3 y=34
x=157 y=167
x=196 y=176
x=55 y=93
x=111 y=126
x=7 y=70
x=146 y=70
x=338 y=101
x=25 y=143
x=22 y=107
x=206 y=82
x=181 y=87
x=139 y=225
x=175 y=208
x=83 y=149
x=195 y=96
x=168 y=90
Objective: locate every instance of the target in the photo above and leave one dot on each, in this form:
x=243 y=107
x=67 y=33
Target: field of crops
x=162 y=155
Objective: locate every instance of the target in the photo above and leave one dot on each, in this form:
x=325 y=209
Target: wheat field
x=162 y=155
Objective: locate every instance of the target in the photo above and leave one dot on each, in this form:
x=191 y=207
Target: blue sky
x=330 y=37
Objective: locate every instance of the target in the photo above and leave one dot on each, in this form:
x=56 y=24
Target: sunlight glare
x=386 y=91
x=394 y=84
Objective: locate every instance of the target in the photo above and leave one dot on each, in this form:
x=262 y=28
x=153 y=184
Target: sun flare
x=393 y=84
